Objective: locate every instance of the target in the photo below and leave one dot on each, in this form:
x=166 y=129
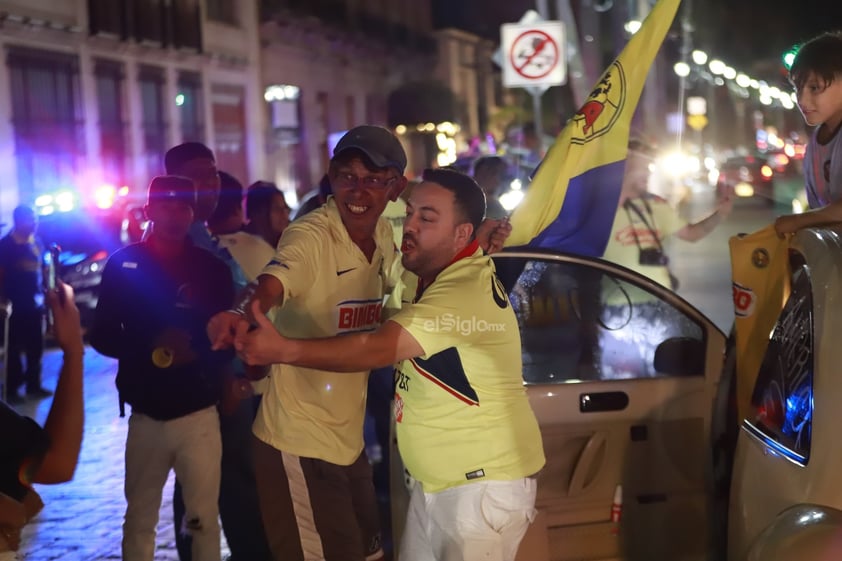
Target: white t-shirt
x=252 y=253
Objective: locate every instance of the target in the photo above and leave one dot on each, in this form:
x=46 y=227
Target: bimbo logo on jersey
x=358 y=315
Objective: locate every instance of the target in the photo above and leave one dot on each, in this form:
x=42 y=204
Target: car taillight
x=766 y=172
x=104 y=196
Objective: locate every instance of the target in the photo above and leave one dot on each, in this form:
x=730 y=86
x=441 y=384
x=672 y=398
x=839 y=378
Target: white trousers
x=191 y=445
x=477 y=521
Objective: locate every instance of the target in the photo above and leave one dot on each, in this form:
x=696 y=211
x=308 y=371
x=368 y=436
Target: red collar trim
x=468 y=251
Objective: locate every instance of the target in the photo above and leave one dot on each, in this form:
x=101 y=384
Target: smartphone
x=51 y=266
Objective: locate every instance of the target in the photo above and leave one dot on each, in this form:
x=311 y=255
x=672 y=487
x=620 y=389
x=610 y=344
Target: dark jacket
x=140 y=297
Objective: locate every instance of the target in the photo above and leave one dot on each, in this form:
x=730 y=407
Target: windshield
x=80 y=235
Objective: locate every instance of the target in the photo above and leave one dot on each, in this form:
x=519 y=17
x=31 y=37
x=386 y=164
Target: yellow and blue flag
x=571 y=202
x=760 y=275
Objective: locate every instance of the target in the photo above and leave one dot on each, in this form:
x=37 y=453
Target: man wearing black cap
x=155 y=300
x=328 y=277
x=196 y=161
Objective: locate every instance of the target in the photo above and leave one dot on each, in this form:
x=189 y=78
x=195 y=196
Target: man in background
x=32 y=454
x=21 y=260
x=490 y=173
x=155 y=298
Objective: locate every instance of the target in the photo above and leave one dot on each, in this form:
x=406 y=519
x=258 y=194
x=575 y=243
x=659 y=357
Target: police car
x=634 y=391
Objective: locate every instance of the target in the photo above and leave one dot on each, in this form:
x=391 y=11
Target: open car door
x=622 y=374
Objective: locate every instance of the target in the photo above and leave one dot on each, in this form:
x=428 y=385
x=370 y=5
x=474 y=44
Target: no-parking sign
x=533 y=54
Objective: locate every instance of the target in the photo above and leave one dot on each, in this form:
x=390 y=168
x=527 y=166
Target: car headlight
x=743 y=189
x=510 y=199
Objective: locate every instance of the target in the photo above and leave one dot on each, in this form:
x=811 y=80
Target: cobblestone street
x=82 y=520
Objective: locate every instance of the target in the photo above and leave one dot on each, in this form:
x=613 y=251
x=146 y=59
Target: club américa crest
x=603 y=107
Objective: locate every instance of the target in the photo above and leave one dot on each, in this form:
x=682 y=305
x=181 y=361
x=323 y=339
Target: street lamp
x=743 y=80
x=682 y=69
x=632 y=26
x=717 y=66
x=699 y=57
x=729 y=73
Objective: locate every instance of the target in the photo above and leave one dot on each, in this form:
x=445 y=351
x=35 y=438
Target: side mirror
x=681 y=356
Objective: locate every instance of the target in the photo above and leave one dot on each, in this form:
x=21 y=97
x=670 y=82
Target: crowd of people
x=245 y=344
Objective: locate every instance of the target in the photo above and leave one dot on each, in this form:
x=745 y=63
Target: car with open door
x=785 y=496
x=622 y=374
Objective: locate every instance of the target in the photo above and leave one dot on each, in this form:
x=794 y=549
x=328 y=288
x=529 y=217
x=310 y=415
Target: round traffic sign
x=534 y=54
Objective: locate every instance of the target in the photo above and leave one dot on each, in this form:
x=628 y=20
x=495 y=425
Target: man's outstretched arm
x=343 y=353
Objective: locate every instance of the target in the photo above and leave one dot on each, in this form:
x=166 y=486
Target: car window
x=79 y=235
x=782 y=400
x=580 y=323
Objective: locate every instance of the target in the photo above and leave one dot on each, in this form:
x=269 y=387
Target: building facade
x=465 y=65
x=93 y=92
x=328 y=65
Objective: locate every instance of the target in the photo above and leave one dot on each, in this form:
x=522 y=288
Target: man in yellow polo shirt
x=317 y=499
x=466 y=431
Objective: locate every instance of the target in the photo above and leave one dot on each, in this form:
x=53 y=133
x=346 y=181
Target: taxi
x=634 y=391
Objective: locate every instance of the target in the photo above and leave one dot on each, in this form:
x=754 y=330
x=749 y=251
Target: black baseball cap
x=172 y=188
x=381 y=146
x=179 y=155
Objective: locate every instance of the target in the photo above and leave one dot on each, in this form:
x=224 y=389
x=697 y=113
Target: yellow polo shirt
x=329 y=289
x=623 y=248
x=461 y=411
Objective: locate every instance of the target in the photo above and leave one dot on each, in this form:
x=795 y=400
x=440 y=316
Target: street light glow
x=743 y=80
x=729 y=73
x=682 y=69
x=699 y=57
x=717 y=66
x=632 y=26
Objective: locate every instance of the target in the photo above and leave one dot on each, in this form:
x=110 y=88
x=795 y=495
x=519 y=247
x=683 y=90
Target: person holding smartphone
x=48 y=454
x=21 y=258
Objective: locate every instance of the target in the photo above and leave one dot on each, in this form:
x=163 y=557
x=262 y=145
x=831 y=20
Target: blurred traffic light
x=789 y=57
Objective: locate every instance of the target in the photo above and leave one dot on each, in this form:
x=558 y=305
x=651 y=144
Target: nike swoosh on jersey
x=343 y=271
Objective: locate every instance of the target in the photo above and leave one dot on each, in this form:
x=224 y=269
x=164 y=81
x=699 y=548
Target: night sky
x=741 y=32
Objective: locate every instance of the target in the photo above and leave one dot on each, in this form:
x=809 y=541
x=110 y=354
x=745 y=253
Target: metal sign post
x=532 y=55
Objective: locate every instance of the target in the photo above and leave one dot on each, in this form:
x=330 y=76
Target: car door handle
x=603 y=401
x=584 y=466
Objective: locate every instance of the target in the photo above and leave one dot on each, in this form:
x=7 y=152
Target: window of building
x=109 y=76
x=107 y=17
x=229 y=126
x=323 y=120
x=782 y=401
x=350 y=112
x=373 y=109
x=48 y=120
x=191 y=107
x=466 y=54
x=148 y=21
x=222 y=11
x=186 y=24
x=151 y=84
